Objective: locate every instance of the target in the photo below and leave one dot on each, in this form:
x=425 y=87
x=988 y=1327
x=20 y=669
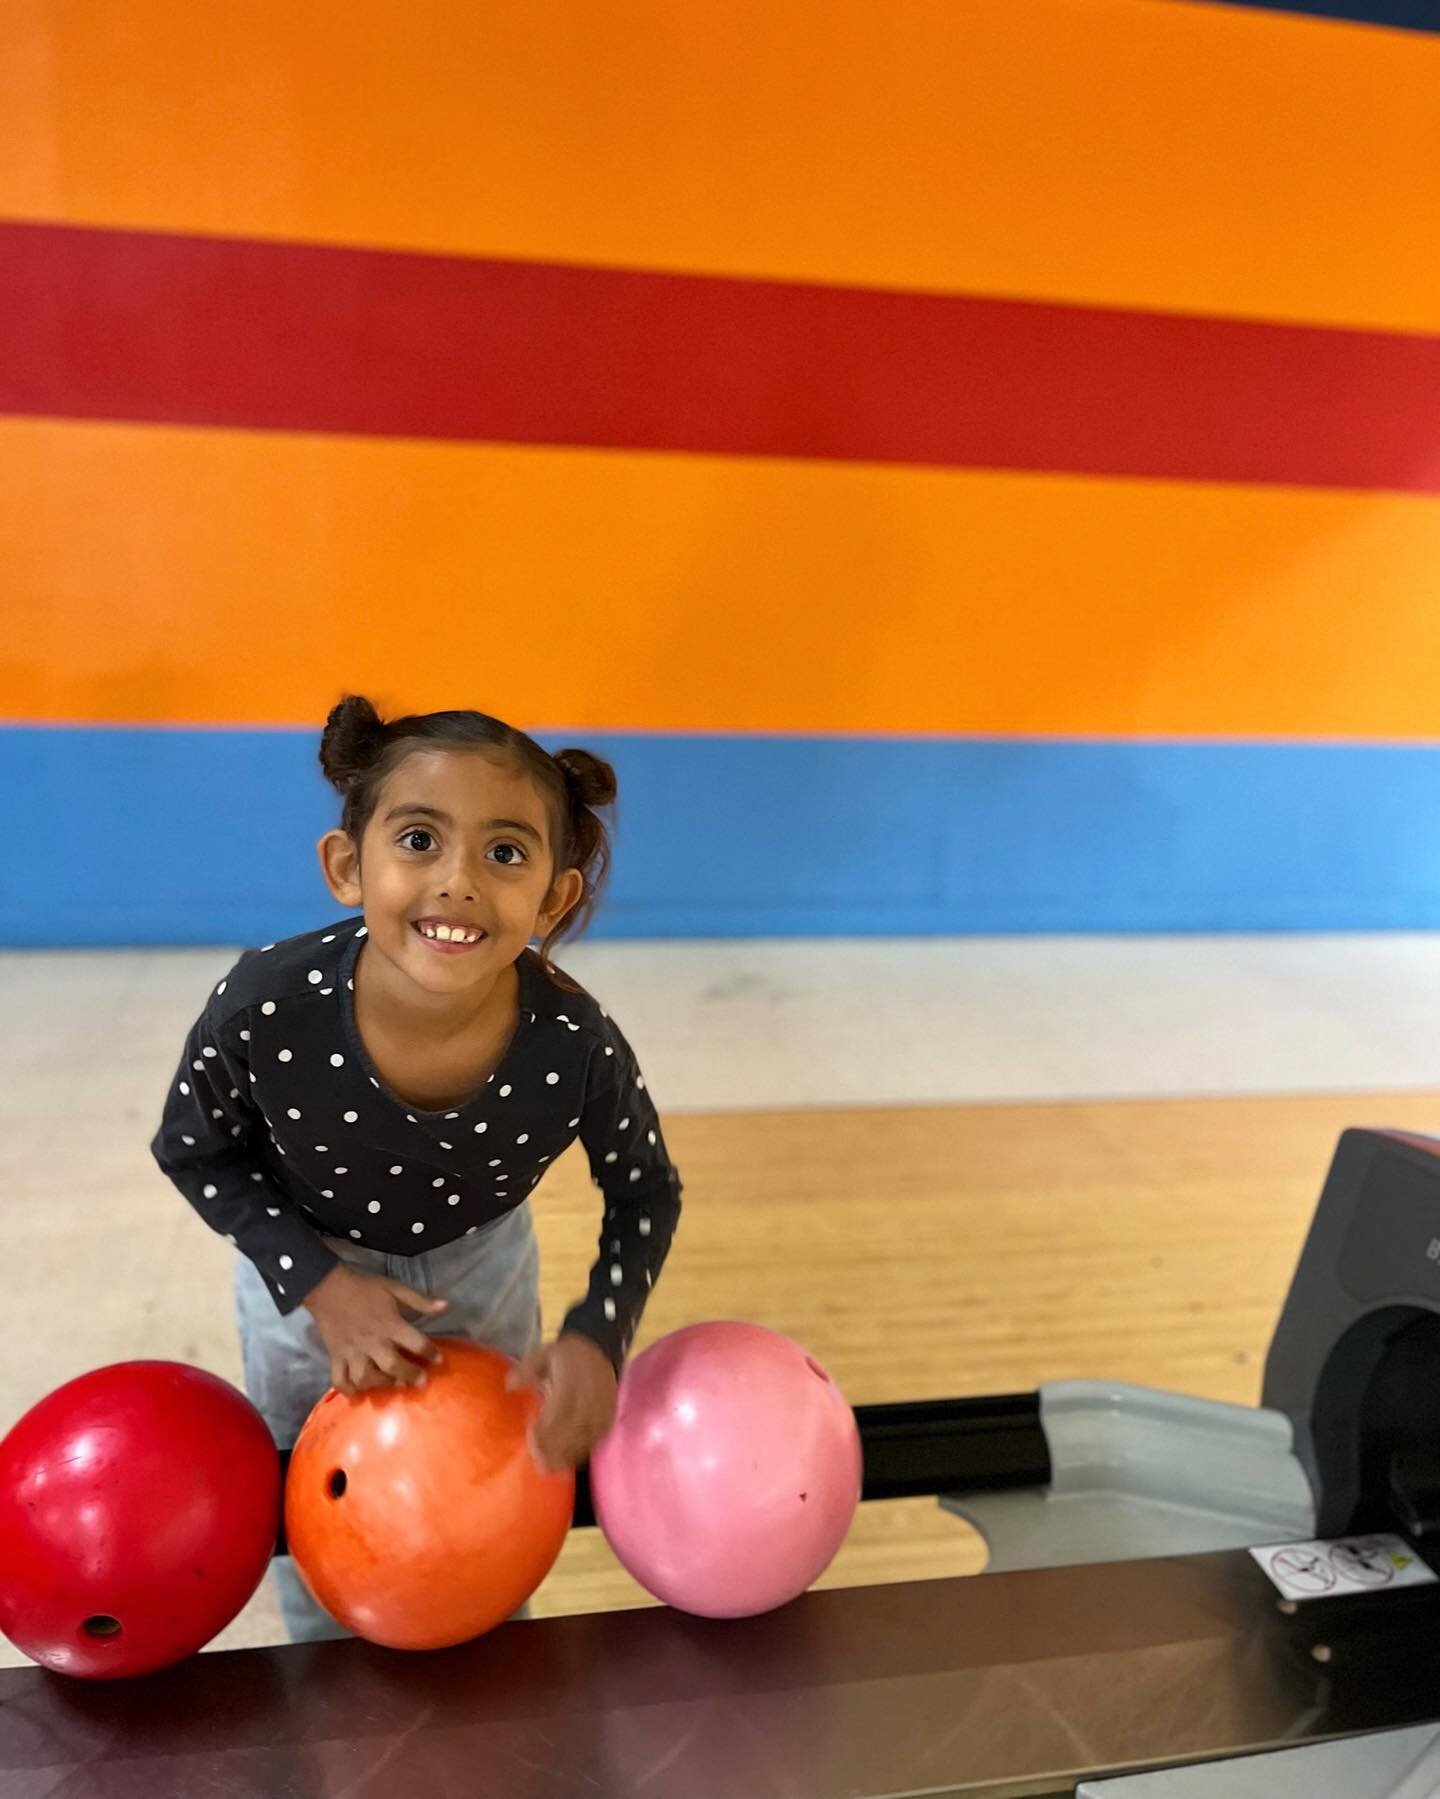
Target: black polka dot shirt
x=279 y=1132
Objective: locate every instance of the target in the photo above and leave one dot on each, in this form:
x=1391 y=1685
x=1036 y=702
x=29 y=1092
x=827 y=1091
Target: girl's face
x=455 y=871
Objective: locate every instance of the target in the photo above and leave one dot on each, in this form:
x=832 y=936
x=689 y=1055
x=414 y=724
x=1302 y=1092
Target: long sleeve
x=210 y=1144
x=620 y=1130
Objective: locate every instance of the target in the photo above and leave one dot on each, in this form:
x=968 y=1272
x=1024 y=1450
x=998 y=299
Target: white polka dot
x=283 y=1055
x=208 y=1053
x=342 y=1171
x=505 y=1092
x=524 y=1137
x=228 y=1237
x=292 y=1112
x=215 y=1112
x=644 y=1227
x=329 y=939
x=634 y=1174
x=234 y=1130
x=184 y=1086
x=257 y=1177
x=445 y=1145
x=502 y=1177
x=472 y=1230
x=234 y=1093
x=613 y=1156
x=417 y=1228
x=398 y=1168
x=564 y=1017
x=322 y=1149
x=608 y=1050
x=481 y=1128
x=617 y=1275
x=252 y=1077
x=198 y=1066
x=652 y=1136
x=409 y=1118
x=640 y=1082
x=327 y=991
x=355 y=1234
x=279 y=1289
x=350 y=985
x=337 y=1060
x=573 y=1124
x=350 y=1117
x=244 y=1036
x=281 y=1148
x=552 y=1080
x=624 y=1124
x=610 y=1310
x=265 y=948
x=209 y=1191
x=374 y=1206
x=363 y=931
x=453 y=1200
x=273 y=1211
x=327 y=1193
x=649 y=1278
x=439 y=1181
x=223 y=985
x=268 y=1008
x=544 y=1158
x=189 y=1140
x=495 y=1162
x=287 y=1262
x=373 y=1081
x=452 y=1114
x=314 y=977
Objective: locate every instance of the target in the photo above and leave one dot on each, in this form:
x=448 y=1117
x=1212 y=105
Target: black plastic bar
x=919 y=1447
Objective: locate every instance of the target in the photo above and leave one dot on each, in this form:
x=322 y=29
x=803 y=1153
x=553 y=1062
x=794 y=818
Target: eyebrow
x=444 y=818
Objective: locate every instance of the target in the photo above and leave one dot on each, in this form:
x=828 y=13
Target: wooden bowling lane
x=934 y=1252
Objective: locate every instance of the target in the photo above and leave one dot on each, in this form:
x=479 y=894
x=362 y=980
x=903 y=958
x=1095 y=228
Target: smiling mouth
x=441 y=934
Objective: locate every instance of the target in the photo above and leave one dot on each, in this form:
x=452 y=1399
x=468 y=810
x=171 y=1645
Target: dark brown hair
x=359 y=751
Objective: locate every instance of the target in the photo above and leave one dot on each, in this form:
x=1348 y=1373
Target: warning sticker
x=1350 y=1565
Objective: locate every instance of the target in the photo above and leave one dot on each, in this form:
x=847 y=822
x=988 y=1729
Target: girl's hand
x=362 y=1323
x=577 y=1384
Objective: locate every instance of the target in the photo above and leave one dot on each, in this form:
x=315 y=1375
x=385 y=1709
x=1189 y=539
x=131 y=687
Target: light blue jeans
x=491 y=1280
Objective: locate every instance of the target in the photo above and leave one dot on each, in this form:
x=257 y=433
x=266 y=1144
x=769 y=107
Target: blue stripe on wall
x=1409 y=15
x=204 y=836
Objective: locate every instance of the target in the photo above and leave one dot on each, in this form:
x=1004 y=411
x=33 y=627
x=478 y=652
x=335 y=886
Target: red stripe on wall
x=224 y=332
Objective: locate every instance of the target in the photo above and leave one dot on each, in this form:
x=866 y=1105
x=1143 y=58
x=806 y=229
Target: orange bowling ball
x=418 y=1516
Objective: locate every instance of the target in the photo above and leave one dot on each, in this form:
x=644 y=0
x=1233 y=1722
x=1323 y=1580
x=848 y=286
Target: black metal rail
x=920 y=1447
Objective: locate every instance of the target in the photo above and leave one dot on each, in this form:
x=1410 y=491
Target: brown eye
x=508 y=855
x=417 y=840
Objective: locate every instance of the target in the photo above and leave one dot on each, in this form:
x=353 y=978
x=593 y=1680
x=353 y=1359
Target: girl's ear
x=340 y=865
x=564 y=896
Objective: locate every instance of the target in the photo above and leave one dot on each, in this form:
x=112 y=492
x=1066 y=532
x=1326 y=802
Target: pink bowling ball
x=731 y=1473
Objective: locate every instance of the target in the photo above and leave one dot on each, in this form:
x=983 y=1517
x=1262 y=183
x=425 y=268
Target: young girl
x=364 y=1111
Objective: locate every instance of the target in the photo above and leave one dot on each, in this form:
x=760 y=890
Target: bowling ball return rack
x=1122 y=1627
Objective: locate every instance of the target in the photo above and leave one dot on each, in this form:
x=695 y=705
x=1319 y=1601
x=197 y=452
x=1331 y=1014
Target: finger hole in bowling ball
x=816 y=1369
x=337 y=1483
x=101 y=1625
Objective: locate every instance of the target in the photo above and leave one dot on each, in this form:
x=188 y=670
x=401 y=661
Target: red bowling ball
x=139 y=1507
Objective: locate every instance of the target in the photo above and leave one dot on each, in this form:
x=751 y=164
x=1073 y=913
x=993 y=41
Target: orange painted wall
x=1174 y=157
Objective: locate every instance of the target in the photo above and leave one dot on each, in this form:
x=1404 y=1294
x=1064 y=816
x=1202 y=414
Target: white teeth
x=444 y=933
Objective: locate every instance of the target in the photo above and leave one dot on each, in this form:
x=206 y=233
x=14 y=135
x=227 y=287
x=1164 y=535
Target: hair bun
x=589 y=779
x=353 y=738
